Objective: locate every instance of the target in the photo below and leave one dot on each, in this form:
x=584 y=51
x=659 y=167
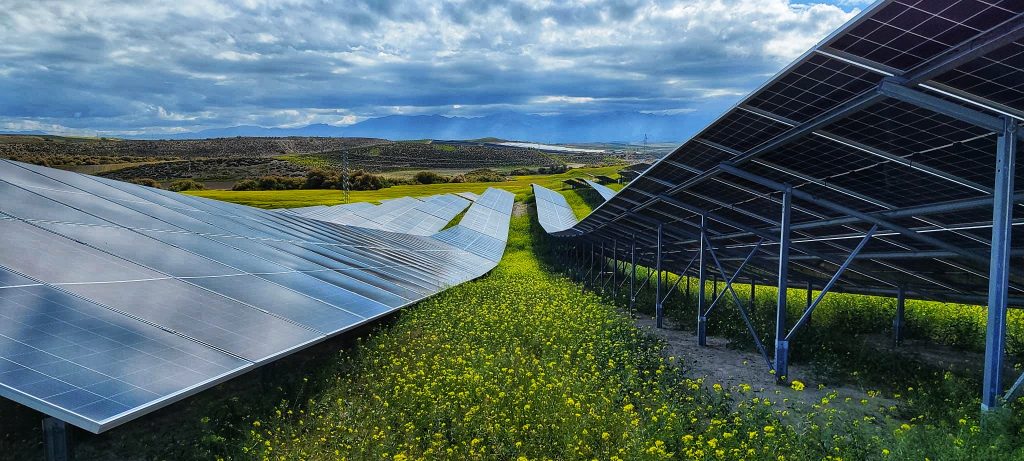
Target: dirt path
x=717 y=363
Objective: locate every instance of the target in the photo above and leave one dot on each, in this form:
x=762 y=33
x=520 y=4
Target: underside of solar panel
x=118 y=299
x=895 y=121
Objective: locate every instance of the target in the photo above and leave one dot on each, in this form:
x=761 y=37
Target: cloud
x=156 y=66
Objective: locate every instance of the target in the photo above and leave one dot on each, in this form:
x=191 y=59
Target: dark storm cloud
x=155 y=66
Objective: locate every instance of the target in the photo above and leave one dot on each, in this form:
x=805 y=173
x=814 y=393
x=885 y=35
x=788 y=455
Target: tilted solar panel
x=117 y=299
x=882 y=161
x=553 y=211
x=405 y=215
x=604 y=191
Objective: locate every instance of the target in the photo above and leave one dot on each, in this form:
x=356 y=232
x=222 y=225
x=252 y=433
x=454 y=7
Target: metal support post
x=897 y=323
x=753 y=291
x=602 y=265
x=810 y=298
x=702 y=278
x=828 y=286
x=714 y=286
x=57 y=440
x=632 y=274
x=615 y=268
x=781 y=364
x=999 y=265
x=736 y=298
x=590 y=269
x=687 y=290
x=659 y=314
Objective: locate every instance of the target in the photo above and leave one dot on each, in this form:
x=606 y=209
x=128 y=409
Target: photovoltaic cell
x=117 y=299
x=604 y=191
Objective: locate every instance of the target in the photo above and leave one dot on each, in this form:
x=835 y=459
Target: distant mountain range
x=603 y=127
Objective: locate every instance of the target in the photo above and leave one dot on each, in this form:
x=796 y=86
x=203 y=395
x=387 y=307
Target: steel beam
x=702 y=280
x=615 y=268
x=894 y=90
x=781 y=364
x=729 y=282
x=999 y=268
x=828 y=286
x=658 y=307
x=739 y=305
x=810 y=294
x=753 y=290
x=632 y=275
x=57 y=440
x=897 y=322
x=866 y=217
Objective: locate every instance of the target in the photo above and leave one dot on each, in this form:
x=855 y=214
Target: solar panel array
x=406 y=215
x=604 y=191
x=553 y=211
x=117 y=299
x=896 y=116
x=483 y=230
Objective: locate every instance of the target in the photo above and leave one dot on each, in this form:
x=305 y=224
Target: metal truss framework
x=870 y=166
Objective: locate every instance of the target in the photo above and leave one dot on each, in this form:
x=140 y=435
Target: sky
x=94 y=67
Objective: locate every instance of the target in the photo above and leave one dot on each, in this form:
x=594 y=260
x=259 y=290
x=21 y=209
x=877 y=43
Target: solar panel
x=897 y=111
x=98 y=277
x=405 y=215
x=604 y=191
x=553 y=211
x=483 y=230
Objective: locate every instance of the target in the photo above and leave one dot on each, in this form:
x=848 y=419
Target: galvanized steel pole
x=999 y=264
x=897 y=323
x=658 y=309
x=702 y=278
x=781 y=345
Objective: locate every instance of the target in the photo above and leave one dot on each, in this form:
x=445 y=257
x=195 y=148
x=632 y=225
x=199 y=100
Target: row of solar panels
x=406 y=215
x=894 y=120
x=605 y=192
x=553 y=211
x=117 y=299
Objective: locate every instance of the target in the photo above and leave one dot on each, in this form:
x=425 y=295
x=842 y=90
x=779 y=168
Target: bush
x=246 y=184
x=429 y=177
x=361 y=180
x=185 y=184
x=458 y=178
x=148 y=182
x=484 y=175
x=556 y=169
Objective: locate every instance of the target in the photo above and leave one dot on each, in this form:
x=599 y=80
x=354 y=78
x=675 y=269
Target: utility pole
x=345 y=183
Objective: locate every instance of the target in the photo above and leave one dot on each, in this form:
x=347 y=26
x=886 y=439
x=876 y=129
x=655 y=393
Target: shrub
x=185 y=184
x=429 y=177
x=148 y=182
x=361 y=180
x=246 y=184
x=484 y=175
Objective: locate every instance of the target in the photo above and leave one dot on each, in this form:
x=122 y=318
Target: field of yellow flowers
x=524 y=365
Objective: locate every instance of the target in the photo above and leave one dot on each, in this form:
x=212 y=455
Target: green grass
x=519 y=185
x=524 y=363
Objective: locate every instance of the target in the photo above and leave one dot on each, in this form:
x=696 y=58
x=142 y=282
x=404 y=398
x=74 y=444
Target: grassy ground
x=519 y=185
x=526 y=364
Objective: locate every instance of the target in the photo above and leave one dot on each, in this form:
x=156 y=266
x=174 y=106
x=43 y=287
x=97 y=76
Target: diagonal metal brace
x=681 y=275
x=828 y=286
x=730 y=280
x=739 y=303
x=1015 y=390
